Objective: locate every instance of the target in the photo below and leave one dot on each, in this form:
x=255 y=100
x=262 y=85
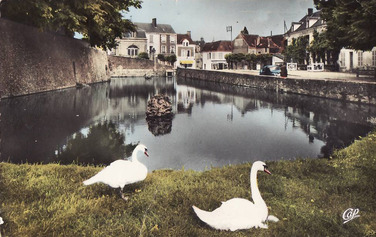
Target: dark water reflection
x=214 y=124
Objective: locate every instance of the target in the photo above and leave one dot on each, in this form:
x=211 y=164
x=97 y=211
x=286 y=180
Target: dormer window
x=186 y=43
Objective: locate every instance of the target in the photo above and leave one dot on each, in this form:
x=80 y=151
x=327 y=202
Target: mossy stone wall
x=32 y=61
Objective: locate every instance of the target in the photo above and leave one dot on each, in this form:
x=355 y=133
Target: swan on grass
x=239 y=213
x=122 y=172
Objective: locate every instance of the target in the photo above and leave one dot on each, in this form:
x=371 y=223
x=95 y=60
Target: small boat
x=148 y=77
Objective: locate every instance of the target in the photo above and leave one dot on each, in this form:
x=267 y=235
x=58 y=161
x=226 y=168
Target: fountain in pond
x=159 y=115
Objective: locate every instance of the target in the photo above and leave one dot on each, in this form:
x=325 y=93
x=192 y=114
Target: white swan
x=122 y=172
x=239 y=213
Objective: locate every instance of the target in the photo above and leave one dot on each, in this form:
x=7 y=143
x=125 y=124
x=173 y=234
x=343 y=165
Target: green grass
x=308 y=196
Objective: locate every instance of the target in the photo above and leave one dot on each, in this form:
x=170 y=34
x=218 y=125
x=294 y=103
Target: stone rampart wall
x=362 y=92
x=32 y=61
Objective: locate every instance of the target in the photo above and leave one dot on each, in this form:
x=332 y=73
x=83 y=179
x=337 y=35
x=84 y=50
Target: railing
x=366 y=72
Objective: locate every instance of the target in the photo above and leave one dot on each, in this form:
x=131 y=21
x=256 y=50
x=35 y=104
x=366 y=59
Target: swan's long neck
x=134 y=154
x=256 y=196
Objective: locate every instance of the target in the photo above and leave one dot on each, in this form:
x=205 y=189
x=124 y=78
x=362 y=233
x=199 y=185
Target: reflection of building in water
x=329 y=121
x=128 y=98
x=186 y=97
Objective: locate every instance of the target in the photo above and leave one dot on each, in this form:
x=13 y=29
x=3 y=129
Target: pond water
x=213 y=124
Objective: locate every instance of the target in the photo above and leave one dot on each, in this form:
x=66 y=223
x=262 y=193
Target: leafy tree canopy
x=350 y=23
x=102 y=145
x=297 y=50
x=143 y=55
x=99 y=21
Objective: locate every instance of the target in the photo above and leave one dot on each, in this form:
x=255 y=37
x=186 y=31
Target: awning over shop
x=186 y=62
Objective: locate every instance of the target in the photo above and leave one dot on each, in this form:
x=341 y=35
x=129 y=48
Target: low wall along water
x=361 y=92
x=135 y=67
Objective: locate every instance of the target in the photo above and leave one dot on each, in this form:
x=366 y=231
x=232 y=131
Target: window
x=172 y=39
x=163 y=38
x=186 y=43
x=172 y=49
x=151 y=38
x=374 y=58
x=220 y=55
x=132 y=50
x=360 y=58
x=209 y=56
x=188 y=53
x=343 y=62
x=213 y=56
x=163 y=48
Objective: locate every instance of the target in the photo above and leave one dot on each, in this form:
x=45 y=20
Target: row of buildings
x=154 y=39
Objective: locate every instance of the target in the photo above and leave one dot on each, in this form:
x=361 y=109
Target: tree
x=297 y=51
x=264 y=59
x=99 y=21
x=161 y=57
x=230 y=59
x=171 y=59
x=350 y=23
x=143 y=55
x=322 y=50
x=250 y=59
x=234 y=58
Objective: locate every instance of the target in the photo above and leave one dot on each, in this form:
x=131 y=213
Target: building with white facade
x=131 y=44
x=350 y=59
x=306 y=26
x=161 y=38
x=213 y=54
x=185 y=51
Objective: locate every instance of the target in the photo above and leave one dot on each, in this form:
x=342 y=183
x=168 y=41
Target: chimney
x=189 y=33
x=310 y=11
x=154 y=22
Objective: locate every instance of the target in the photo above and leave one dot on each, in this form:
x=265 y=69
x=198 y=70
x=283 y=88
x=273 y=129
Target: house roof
x=320 y=22
x=278 y=40
x=303 y=25
x=182 y=37
x=275 y=43
x=250 y=39
x=160 y=28
x=218 y=46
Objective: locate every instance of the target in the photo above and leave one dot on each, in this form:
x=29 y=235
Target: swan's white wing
x=120 y=173
x=234 y=214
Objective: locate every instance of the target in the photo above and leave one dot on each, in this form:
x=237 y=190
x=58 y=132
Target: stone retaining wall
x=361 y=92
x=128 y=67
x=32 y=61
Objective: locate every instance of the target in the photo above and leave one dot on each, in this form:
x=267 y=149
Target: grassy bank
x=308 y=196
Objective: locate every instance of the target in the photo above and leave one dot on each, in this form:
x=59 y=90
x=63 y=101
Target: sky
x=209 y=18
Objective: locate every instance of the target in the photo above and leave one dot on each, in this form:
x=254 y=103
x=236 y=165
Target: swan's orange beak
x=146 y=153
x=267 y=171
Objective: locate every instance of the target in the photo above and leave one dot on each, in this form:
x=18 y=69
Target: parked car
x=270 y=70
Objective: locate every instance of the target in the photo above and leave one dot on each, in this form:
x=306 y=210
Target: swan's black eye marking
x=146 y=149
x=265 y=166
